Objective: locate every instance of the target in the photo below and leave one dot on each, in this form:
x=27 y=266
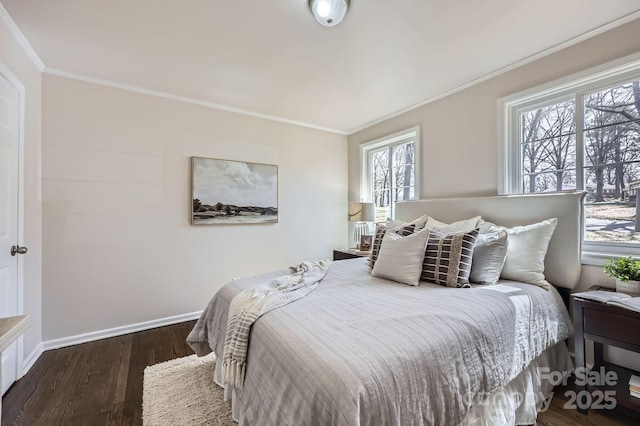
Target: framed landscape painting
x=233 y=192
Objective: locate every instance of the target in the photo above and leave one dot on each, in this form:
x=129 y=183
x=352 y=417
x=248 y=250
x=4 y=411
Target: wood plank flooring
x=96 y=383
x=557 y=415
x=100 y=383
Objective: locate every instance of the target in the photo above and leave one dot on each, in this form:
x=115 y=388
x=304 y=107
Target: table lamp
x=361 y=213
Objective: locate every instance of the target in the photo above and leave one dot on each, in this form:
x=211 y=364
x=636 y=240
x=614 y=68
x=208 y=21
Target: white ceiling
x=271 y=57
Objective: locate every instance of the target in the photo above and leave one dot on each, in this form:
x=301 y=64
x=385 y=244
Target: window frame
x=573 y=87
x=387 y=142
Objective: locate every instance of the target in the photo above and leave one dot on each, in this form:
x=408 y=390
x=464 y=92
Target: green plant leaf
x=623 y=268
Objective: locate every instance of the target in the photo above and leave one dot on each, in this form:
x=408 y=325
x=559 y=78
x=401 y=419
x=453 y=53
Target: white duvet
x=361 y=350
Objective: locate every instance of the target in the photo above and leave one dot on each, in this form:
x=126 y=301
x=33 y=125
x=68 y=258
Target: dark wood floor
x=100 y=383
x=97 y=383
x=557 y=415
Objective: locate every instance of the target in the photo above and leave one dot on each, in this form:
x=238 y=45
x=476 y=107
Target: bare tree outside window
x=403 y=172
x=549 y=148
x=392 y=177
x=611 y=157
x=380 y=178
x=612 y=126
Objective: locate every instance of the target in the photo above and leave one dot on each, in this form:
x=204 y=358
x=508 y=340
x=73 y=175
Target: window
x=581 y=133
x=548 y=146
x=389 y=172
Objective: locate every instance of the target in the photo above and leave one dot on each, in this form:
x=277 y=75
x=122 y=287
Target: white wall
x=459 y=132
x=118 y=245
x=14 y=57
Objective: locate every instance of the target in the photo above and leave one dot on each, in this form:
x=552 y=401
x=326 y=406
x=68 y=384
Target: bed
x=362 y=350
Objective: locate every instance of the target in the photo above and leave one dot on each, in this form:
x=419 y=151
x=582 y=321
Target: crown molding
x=185 y=99
x=554 y=49
x=31 y=53
x=21 y=39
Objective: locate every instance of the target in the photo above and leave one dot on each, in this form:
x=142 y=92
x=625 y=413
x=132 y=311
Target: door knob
x=18 y=250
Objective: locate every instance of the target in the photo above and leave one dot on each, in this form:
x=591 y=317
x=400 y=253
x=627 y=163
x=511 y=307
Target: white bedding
x=362 y=350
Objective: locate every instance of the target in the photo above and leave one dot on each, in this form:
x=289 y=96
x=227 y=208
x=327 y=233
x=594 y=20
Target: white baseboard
x=117 y=331
x=28 y=362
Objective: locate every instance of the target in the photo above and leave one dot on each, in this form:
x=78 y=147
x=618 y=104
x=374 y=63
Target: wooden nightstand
x=349 y=254
x=607 y=325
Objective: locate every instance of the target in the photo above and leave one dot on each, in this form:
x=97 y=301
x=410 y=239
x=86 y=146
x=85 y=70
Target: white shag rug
x=181 y=392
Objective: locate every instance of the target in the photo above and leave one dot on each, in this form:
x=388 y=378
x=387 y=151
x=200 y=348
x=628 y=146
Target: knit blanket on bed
x=248 y=305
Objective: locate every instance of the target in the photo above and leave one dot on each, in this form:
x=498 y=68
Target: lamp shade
x=361 y=212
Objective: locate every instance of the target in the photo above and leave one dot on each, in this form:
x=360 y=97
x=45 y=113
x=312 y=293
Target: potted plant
x=626 y=271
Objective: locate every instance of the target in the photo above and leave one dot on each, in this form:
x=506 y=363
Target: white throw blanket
x=248 y=305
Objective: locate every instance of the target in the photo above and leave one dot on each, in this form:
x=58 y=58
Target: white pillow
x=489 y=255
x=526 y=252
x=400 y=258
x=467 y=225
x=485 y=227
x=397 y=225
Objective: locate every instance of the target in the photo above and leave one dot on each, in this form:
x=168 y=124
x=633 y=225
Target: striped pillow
x=377 y=240
x=447 y=259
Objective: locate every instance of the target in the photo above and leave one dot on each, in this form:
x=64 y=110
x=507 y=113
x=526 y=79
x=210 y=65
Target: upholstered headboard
x=562 y=264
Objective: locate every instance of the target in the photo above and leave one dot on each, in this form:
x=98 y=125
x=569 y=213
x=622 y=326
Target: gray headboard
x=562 y=264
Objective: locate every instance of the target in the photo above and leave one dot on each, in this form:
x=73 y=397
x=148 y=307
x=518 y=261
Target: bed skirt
x=518 y=403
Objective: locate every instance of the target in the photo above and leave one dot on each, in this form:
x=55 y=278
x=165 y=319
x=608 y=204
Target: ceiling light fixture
x=329 y=12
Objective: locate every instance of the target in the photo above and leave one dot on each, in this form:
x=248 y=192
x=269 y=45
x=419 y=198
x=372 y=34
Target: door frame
x=11 y=77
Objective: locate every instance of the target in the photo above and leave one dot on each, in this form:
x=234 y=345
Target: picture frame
x=230 y=192
x=366 y=241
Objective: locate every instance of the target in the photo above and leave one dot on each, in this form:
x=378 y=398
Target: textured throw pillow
x=381 y=230
x=489 y=254
x=447 y=259
x=526 y=252
x=451 y=228
x=400 y=258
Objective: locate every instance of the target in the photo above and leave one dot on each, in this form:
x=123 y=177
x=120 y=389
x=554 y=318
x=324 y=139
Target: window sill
x=600 y=257
x=596 y=258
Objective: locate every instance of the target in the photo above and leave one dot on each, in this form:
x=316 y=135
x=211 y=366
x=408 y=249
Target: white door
x=9 y=163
